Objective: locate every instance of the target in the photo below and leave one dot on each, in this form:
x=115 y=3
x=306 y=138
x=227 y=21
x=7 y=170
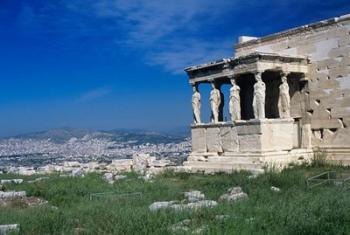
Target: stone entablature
x=252 y=63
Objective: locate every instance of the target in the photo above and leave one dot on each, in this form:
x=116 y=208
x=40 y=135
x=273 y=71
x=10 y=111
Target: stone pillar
x=215 y=103
x=235 y=101
x=196 y=104
x=284 y=98
x=259 y=97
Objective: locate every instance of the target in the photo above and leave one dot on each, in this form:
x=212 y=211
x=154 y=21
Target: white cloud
x=94 y=94
x=165 y=31
x=173 y=34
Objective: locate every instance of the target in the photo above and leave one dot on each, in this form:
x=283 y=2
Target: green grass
x=295 y=210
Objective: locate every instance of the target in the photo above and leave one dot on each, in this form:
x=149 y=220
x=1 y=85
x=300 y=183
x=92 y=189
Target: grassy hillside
x=294 y=210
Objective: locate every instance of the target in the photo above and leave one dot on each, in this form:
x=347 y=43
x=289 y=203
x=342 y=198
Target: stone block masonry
x=290 y=95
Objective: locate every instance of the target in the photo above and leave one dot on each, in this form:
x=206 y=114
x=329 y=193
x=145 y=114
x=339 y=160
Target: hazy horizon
x=105 y=65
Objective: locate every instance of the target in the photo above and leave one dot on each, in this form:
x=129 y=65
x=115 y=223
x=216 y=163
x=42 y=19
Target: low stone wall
x=243 y=136
x=248 y=145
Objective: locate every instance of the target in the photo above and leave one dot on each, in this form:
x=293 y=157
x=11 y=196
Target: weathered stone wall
x=243 y=136
x=327 y=102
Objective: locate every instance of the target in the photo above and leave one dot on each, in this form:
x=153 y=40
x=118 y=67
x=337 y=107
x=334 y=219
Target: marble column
x=259 y=97
x=235 y=101
x=284 y=98
x=196 y=104
x=215 y=103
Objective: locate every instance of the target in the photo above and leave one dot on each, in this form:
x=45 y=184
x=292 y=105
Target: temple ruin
x=289 y=97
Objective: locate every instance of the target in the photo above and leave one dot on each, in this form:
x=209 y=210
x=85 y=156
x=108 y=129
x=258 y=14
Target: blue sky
x=105 y=64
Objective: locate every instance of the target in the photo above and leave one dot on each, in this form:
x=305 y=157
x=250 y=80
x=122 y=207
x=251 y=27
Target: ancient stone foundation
x=289 y=96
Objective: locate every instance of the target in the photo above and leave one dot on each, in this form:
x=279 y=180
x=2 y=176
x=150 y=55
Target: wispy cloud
x=93 y=94
x=167 y=33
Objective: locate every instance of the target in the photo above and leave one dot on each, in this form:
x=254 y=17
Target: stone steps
x=225 y=167
x=214 y=169
x=225 y=163
x=235 y=160
x=344 y=162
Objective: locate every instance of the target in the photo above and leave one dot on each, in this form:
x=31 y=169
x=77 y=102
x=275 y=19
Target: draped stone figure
x=235 y=101
x=215 y=101
x=196 y=105
x=259 y=97
x=284 y=99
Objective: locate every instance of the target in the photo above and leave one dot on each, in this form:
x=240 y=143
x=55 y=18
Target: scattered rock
x=78 y=173
x=108 y=177
x=161 y=205
x=140 y=163
x=202 y=204
x=182 y=226
x=120 y=165
x=10 y=181
x=195 y=205
x=12 y=195
x=253 y=176
x=159 y=163
x=275 y=189
x=71 y=164
x=233 y=194
x=120 y=177
x=194 y=196
x=49 y=169
x=200 y=230
x=54 y=208
x=26 y=171
x=147 y=177
x=9 y=228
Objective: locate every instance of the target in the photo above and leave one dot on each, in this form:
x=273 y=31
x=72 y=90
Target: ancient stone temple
x=289 y=96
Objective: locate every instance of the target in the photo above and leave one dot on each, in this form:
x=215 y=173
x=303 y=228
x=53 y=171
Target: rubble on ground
x=275 y=189
x=141 y=163
x=194 y=200
x=233 y=194
x=11 y=181
x=108 y=177
x=161 y=205
x=9 y=228
x=184 y=226
x=194 y=196
x=20 y=198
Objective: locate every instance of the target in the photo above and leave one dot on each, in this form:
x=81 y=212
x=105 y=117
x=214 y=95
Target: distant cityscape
x=60 y=145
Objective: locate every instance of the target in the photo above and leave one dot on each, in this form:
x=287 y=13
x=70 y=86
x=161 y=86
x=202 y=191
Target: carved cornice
x=252 y=63
x=324 y=24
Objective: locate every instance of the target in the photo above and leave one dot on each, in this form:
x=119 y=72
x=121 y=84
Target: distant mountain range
x=61 y=135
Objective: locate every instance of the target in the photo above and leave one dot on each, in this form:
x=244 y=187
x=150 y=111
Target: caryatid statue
x=235 y=101
x=215 y=101
x=196 y=104
x=284 y=99
x=259 y=97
